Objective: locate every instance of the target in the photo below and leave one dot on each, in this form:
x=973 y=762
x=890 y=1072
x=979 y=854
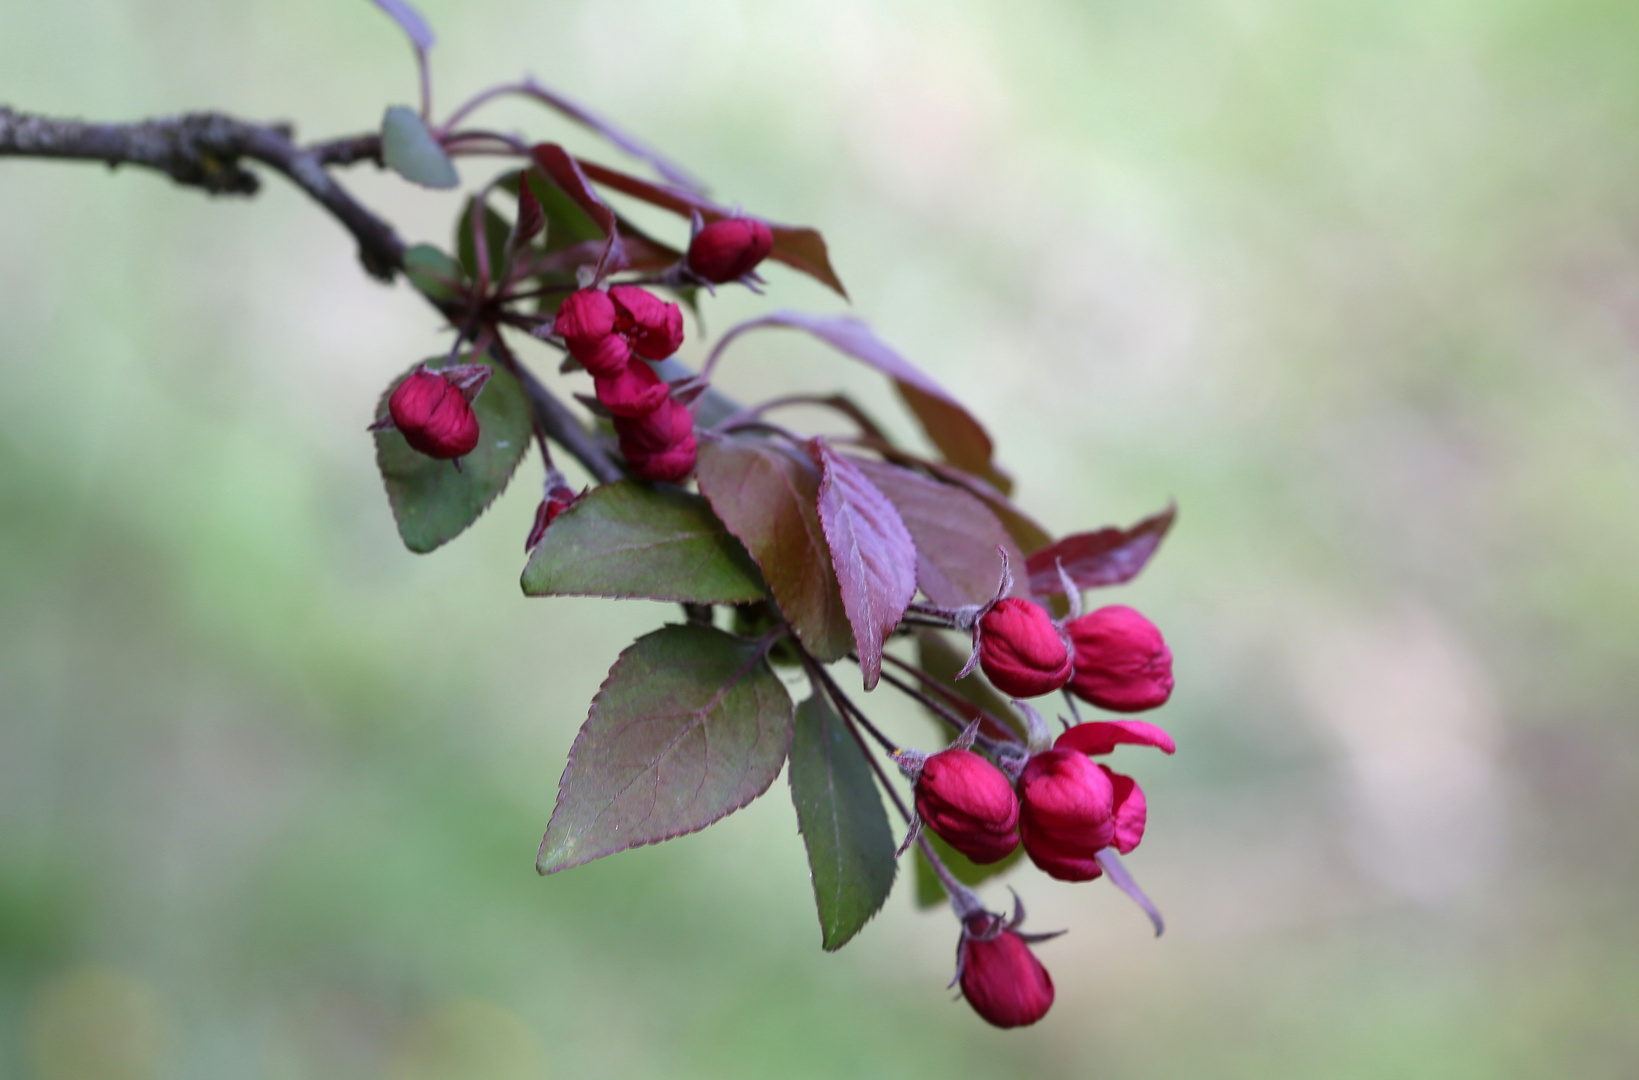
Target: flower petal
x=1102 y=736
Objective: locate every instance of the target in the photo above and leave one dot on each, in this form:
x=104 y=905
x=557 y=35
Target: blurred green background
x=1357 y=283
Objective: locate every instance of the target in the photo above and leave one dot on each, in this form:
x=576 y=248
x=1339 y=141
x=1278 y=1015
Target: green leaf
x=410 y=150
x=496 y=231
x=690 y=725
x=432 y=500
x=937 y=658
x=767 y=497
x=840 y=815
x=930 y=892
x=627 y=539
x=434 y=273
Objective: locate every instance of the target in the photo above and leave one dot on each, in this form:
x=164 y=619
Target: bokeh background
x=1357 y=283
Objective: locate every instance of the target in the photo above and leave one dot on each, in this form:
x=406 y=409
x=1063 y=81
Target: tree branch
x=208 y=150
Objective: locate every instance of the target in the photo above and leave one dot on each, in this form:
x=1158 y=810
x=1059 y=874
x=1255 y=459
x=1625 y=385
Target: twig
x=945 y=692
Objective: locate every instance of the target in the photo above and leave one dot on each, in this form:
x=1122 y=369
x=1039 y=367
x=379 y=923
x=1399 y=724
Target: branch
x=207 y=151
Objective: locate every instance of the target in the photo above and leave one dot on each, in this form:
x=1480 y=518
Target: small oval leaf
x=410 y=150
x=432 y=500
x=840 y=815
x=690 y=725
x=627 y=539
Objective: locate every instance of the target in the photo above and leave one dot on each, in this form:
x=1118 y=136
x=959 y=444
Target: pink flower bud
x=654 y=326
x=659 y=446
x=433 y=415
x=725 y=250
x=1066 y=813
x=1121 y=662
x=636 y=391
x=584 y=319
x=1020 y=649
x=607 y=358
x=970 y=804
x=1001 y=978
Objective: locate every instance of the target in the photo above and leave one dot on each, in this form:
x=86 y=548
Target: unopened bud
x=659 y=446
x=635 y=391
x=1001 y=978
x=654 y=326
x=1066 y=814
x=728 y=249
x=1121 y=661
x=970 y=804
x=585 y=318
x=434 y=415
x=1020 y=649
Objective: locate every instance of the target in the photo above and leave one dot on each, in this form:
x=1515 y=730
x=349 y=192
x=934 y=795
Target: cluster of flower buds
x=433 y=410
x=729 y=249
x=612 y=333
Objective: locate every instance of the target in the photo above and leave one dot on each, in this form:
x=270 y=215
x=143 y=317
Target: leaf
x=496 y=231
x=937 y=658
x=929 y=891
x=768 y=497
x=690 y=725
x=410 y=150
x=956 y=535
x=798 y=247
x=872 y=552
x=627 y=539
x=531 y=219
x=435 y=274
x=949 y=426
x=410 y=21
x=1020 y=526
x=566 y=173
x=1106 y=557
x=840 y=816
x=432 y=501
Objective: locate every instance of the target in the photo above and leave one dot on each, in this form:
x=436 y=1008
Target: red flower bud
x=1066 y=813
x=725 y=250
x=546 y=513
x=1001 y=978
x=585 y=318
x=1121 y=662
x=635 y=391
x=659 y=446
x=1020 y=649
x=606 y=358
x=654 y=326
x=970 y=804
x=433 y=415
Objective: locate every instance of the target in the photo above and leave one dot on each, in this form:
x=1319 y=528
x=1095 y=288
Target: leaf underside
x=628 y=539
x=690 y=725
x=871 y=551
x=432 y=500
x=768 y=498
x=410 y=150
x=1106 y=557
x=840 y=814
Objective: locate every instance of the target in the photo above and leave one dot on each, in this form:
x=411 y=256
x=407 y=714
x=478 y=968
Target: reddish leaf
x=566 y=173
x=1106 y=557
x=531 y=219
x=958 y=436
x=768 y=497
x=689 y=726
x=956 y=535
x=1020 y=526
x=410 y=21
x=871 y=551
x=798 y=247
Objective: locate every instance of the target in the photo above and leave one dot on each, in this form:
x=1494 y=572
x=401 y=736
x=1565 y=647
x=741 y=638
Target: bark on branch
x=209 y=150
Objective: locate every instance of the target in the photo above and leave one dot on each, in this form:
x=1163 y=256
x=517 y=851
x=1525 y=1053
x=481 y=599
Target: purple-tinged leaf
x=629 y=539
x=1106 y=557
x=566 y=173
x=689 y=726
x=410 y=150
x=956 y=535
x=871 y=551
x=410 y=21
x=579 y=113
x=949 y=426
x=531 y=219
x=1020 y=526
x=802 y=249
x=839 y=813
x=768 y=497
